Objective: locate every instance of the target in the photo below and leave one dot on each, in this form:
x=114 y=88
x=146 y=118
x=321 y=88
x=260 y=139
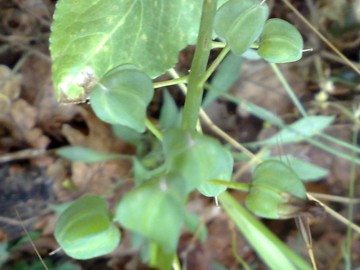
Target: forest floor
x=34 y=181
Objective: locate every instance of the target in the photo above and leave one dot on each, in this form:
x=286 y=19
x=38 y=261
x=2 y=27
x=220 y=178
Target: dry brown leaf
x=23 y=116
x=100 y=177
x=9 y=88
x=259 y=85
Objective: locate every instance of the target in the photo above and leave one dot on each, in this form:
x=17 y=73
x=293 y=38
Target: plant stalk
x=198 y=66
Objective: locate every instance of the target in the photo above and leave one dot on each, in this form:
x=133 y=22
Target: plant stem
x=215 y=64
x=288 y=89
x=245 y=187
x=198 y=66
x=153 y=129
x=171 y=82
x=349 y=232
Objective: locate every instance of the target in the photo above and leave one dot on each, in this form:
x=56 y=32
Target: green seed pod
x=121 y=97
x=280 y=42
x=228 y=13
x=240 y=23
x=85 y=230
x=278 y=193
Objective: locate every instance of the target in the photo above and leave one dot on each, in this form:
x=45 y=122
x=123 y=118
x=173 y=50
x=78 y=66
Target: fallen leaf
x=100 y=177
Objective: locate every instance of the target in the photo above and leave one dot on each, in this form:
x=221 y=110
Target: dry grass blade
x=322 y=37
x=31 y=241
x=302 y=224
x=336 y=215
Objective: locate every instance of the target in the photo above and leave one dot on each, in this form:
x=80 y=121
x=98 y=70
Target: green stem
x=215 y=64
x=232 y=185
x=198 y=66
x=153 y=129
x=288 y=89
x=171 y=82
x=217 y=44
x=349 y=233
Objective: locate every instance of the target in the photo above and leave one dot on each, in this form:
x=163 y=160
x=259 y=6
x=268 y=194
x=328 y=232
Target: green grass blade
x=273 y=252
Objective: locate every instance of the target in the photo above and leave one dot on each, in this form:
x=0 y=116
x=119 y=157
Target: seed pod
x=85 y=230
x=276 y=192
x=121 y=97
x=228 y=13
x=280 y=42
x=240 y=23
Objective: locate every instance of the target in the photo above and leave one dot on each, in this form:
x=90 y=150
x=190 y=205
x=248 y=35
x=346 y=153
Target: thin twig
x=31 y=241
x=322 y=37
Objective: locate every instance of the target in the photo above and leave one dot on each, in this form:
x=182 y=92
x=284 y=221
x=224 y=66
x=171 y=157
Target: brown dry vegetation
x=32 y=124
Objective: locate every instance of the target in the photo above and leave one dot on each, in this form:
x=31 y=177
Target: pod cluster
x=244 y=24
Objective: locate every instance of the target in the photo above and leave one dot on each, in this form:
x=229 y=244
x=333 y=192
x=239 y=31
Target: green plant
x=110 y=53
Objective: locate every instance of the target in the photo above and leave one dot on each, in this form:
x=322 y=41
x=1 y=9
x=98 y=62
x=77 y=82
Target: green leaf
x=170 y=115
x=155 y=210
x=86 y=155
x=198 y=158
x=306 y=171
x=122 y=96
x=224 y=78
x=299 y=130
x=273 y=252
x=228 y=13
x=127 y=134
x=85 y=230
x=89 y=38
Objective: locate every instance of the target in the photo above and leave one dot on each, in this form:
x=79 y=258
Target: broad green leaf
x=306 y=171
x=273 y=252
x=198 y=158
x=224 y=78
x=246 y=29
x=170 y=114
x=127 y=134
x=85 y=230
x=86 y=155
x=251 y=55
x=90 y=37
x=298 y=131
x=228 y=13
x=155 y=210
x=122 y=96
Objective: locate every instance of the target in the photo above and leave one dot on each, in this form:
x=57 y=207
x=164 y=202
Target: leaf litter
x=30 y=118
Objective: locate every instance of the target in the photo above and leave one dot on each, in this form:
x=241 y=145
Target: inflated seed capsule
x=85 y=229
x=228 y=13
x=280 y=42
x=121 y=97
x=276 y=192
x=247 y=28
x=240 y=23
